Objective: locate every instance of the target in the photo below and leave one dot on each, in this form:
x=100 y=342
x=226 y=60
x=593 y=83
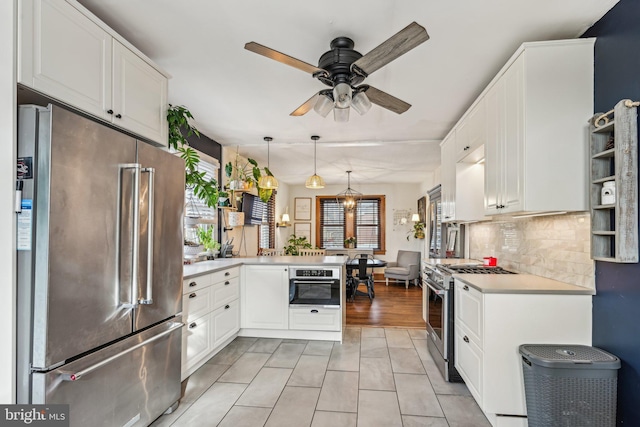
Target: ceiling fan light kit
x=315 y=181
x=344 y=68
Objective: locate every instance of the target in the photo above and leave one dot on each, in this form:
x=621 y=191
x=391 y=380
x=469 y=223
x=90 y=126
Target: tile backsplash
x=557 y=247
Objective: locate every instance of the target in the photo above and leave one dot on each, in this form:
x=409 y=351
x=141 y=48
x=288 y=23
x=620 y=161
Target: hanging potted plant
x=179 y=129
x=418 y=231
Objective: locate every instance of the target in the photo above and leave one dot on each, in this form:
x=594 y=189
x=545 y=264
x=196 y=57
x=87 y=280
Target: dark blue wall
x=616 y=306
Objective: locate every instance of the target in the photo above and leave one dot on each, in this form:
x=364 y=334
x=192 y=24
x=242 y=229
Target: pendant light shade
x=268 y=182
x=315 y=181
x=349 y=198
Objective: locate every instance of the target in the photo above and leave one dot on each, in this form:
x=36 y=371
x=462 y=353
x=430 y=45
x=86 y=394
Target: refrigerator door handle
x=148 y=299
x=133 y=300
x=75 y=376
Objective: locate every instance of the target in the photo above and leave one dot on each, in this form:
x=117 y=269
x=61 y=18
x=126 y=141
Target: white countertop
x=520 y=284
x=204 y=267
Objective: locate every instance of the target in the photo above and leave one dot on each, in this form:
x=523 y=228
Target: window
x=366 y=223
x=195 y=207
x=268 y=226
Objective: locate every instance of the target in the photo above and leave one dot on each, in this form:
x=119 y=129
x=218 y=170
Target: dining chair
x=311 y=252
x=364 y=274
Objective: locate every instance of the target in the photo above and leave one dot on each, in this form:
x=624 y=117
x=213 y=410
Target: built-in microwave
x=314 y=286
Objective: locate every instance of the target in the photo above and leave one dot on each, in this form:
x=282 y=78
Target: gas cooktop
x=473 y=269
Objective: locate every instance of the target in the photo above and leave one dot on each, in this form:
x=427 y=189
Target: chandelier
x=349 y=198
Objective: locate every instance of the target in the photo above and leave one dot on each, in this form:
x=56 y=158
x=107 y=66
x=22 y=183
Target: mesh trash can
x=569 y=385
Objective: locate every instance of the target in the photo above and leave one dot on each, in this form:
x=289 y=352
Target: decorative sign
x=302 y=229
x=302 y=209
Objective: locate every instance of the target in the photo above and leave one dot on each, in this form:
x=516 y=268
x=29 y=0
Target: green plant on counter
x=179 y=129
x=294 y=244
x=418 y=231
x=205 y=235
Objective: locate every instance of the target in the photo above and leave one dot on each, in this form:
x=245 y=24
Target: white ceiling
x=238 y=97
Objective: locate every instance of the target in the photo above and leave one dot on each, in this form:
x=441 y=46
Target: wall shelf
x=614 y=227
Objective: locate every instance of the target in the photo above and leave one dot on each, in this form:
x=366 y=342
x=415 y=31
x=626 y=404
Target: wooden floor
x=393 y=306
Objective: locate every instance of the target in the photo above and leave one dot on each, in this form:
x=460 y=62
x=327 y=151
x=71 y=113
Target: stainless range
x=440 y=311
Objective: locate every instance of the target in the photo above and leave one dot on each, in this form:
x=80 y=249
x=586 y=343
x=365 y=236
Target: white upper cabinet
x=471 y=131
x=462 y=183
x=68 y=54
x=536 y=144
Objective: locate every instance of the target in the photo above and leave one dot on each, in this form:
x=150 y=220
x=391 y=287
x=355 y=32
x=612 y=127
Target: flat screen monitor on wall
x=253 y=208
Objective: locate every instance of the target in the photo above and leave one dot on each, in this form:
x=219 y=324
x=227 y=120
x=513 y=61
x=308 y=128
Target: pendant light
x=315 y=181
x=349 y=198
x=268 y=182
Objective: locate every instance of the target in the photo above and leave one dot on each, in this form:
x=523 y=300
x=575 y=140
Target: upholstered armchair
x=406 y=267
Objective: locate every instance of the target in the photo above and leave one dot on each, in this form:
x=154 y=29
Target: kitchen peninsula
x=231 y=297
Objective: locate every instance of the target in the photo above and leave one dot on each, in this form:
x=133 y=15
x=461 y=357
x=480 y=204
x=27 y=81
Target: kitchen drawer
x=222 y=275
x=468 y=361
x=197 y=303
x=225 y=322
x=314 y=318
x=468 y=307
x=225 y=292
x=196 y=341
x=197 y=283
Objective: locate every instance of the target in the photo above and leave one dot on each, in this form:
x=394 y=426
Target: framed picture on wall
x=302 y=229
x=422 y=209
x=302 y=209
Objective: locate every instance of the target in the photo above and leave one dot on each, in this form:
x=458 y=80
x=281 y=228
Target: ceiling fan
x=344 y=69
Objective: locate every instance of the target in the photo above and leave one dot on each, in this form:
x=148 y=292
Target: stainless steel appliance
x=314 y=286
x=446 y=239
x=99 y=270
x=440 y=311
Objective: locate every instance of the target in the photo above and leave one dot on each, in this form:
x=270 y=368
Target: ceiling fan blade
x=281 y=57
x=385 y=100
x=306 y=107
x=399 y=44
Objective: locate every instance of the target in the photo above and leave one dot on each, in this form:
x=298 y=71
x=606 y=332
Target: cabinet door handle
x=118 y=116
x=226 y=307
x=109 y=111
x=465 y=339
x=193 y=295
x=192 y=284
x=193 y=325
x=227 y=283
x=465 y=287
x=314 y=311
x=227 y=274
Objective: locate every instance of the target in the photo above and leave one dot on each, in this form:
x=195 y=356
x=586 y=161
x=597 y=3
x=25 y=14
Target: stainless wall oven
x=314 y=286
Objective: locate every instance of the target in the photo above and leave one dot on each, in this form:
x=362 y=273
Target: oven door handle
x=436 y=290
x=313 y=282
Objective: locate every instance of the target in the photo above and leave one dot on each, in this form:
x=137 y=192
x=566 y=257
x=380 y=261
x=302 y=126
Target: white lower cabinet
x=211 y=307
x=265 y=297
x=489 y=329
x=313 y=318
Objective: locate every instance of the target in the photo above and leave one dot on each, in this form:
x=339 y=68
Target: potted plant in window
x=350 y=242
x=211 y=247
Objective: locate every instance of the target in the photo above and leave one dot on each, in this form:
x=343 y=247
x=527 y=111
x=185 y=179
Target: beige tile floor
x=376 y=377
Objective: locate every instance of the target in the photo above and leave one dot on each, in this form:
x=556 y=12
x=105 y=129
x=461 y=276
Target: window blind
x=332 y=224
x=367 y=226
x=196 y=207
x=268 y=226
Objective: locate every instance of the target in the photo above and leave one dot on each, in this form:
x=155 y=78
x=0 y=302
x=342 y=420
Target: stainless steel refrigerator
x=99 y=270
